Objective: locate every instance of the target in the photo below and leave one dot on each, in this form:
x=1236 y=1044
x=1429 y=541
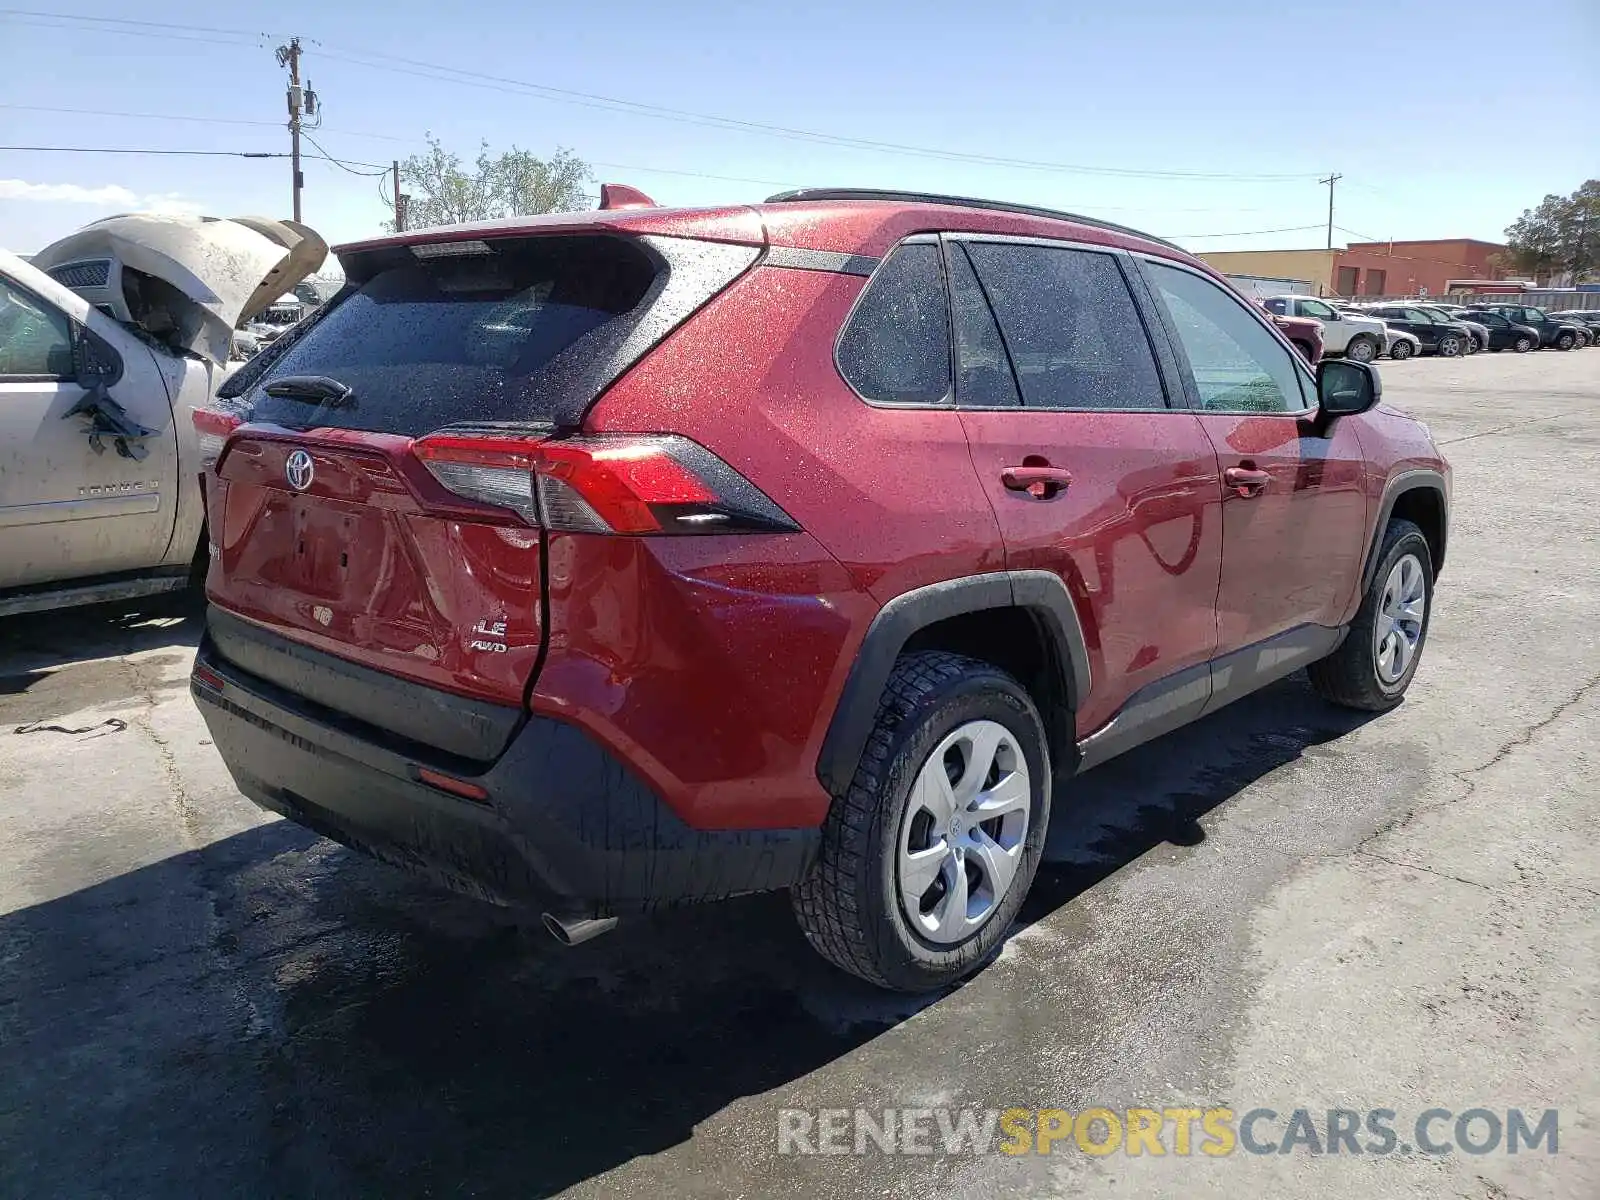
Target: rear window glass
x=461 y=337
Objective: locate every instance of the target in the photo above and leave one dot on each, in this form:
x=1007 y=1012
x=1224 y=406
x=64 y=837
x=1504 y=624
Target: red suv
x=603 y=561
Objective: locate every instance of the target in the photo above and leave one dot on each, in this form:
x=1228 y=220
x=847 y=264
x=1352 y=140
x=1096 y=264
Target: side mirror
x=1344 y=389
x=94 y=363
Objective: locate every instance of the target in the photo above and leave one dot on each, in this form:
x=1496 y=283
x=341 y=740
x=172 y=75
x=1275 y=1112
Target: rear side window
x=460 y=336
x=983 y=369
x=1070 y=327
x=895 y=349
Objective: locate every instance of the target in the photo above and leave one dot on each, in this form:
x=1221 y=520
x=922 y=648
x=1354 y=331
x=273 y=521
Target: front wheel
x=928 y=855
x=1523 y=344
x=1361 y=349
x=1374 y=664
x=1566 y=341
x=1449 y=346
x=1400 y=351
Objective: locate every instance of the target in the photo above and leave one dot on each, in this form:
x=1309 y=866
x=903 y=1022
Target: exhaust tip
x=574 y=932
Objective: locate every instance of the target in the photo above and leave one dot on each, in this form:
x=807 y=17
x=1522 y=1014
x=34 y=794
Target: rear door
x=67 y=509
x=379 y=503
x=1294 y=513
x=1092 y=474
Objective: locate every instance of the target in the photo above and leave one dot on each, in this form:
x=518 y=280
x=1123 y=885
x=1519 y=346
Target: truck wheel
x=1565 y=341
x=1523 y=344
x=929 y=853
x=1361 y=349
x=1449 y=346
x=1400 y=351
x=1374 y=664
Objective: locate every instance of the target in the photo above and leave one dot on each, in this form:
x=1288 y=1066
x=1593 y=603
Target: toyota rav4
x=604 y=561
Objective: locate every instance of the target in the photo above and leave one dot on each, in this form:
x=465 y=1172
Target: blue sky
x=1443 y=120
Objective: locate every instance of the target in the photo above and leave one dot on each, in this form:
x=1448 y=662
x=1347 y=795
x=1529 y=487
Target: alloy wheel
x=1361 y=351
x=1449 y=347
x=1397 y=632
x=962 y=836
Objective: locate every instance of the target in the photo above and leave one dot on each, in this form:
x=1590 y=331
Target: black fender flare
x=1405 y=481
x=1042 y=593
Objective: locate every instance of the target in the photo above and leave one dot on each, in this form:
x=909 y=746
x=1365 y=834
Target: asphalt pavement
x=1283 y=907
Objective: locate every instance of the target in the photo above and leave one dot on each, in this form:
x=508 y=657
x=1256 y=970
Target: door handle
x=1246 y=481
x=1042 y=483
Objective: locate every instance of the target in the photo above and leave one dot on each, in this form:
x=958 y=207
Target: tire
x=1449 y=346
x=1565 y=342
x=1472 y=344
x=851 y=906
x=1401 y=351
x=1356 y=675
x=1523 y=344
x=1361 y=349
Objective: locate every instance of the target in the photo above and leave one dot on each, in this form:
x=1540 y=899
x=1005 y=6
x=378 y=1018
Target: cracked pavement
x=1285 y=906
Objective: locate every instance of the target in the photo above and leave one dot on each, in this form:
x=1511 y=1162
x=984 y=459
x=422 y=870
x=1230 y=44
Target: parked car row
x=1406 y=328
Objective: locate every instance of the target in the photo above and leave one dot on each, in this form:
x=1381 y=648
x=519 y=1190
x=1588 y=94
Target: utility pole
x=1332 y=179
x=399 y=201
x=289 y=56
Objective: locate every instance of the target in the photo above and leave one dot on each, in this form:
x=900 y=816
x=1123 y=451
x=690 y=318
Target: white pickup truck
x=1358 y=338
x=108 y=339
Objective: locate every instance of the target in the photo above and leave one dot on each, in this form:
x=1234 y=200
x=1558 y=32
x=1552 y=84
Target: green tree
x=442 y=190
x=1561 y=236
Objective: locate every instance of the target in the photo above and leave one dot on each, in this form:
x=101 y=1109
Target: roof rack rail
x=1026 y=210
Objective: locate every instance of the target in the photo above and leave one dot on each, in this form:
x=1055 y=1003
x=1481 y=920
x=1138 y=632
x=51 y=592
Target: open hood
x=185 y=281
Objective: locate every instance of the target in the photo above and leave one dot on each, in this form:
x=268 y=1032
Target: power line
x=463 y=77
x=1243 y=232
x=146 y=150
x=323 y=157
x=347 y=164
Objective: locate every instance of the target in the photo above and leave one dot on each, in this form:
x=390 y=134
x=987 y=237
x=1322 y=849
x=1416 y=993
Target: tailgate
x=370 y=559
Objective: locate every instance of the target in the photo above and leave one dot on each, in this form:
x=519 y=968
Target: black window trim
x=1171 y=396
x=74 y=331
x=945 y=403
x=1308 y=380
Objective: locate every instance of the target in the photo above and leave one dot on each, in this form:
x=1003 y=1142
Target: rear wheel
x=928 y=855
x=1400 y=351
x=1449 y=346
x=1374 y=664
x=1361 y=349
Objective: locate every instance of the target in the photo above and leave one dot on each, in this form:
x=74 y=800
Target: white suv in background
x=1360 y=338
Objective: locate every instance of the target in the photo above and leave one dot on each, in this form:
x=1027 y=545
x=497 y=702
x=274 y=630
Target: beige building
x=1315 y=265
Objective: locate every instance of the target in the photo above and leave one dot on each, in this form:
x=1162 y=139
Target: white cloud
x=69 y=193
x=110 y=195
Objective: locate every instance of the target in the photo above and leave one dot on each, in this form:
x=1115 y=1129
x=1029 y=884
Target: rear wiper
x=313 y=389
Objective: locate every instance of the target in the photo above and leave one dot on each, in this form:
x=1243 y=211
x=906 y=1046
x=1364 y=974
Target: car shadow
x=273 y=1014
x=66 y=660
x=1157 y=793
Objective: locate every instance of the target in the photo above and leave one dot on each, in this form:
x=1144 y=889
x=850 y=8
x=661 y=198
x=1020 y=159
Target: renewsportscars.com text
x=1215 y=1132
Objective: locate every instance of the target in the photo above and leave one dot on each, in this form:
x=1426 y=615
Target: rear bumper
x=564 y=827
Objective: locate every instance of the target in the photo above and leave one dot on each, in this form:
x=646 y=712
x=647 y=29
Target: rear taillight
x=613 y=483
x=211 y=430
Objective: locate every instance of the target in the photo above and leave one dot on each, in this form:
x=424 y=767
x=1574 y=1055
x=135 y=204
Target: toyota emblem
x=297 y=470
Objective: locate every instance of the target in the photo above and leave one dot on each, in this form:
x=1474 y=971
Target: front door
x=1092 y=474
x=1294 y=513
x=66 y=510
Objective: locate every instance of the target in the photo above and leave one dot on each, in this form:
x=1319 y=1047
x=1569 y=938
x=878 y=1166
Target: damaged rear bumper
x=561 y=825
